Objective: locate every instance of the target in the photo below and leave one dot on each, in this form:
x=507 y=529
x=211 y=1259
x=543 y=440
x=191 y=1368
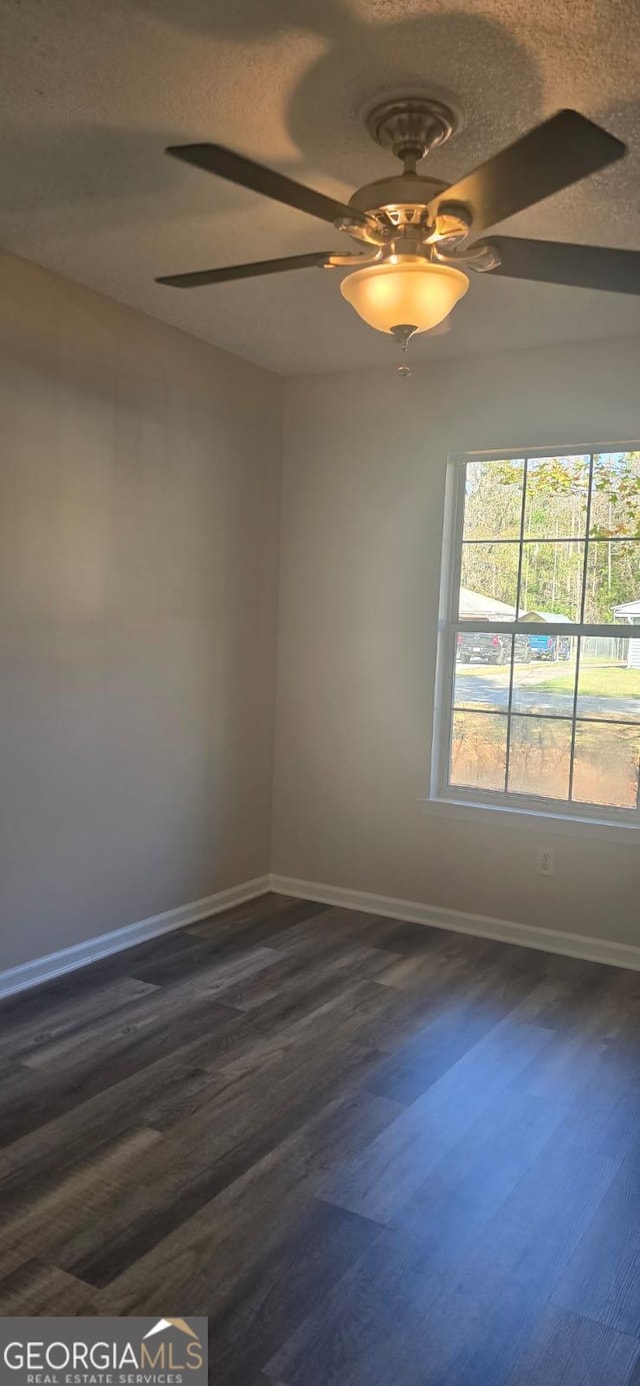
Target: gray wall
x=139 y=548
x=139 y=515
x=365 y=459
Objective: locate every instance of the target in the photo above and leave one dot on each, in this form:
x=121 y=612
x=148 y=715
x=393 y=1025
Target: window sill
x=509 y=817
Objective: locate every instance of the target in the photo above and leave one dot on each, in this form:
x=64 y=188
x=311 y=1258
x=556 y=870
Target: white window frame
x=466 y=798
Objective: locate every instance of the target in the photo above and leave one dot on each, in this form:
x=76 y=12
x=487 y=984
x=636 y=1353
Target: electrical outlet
x=546 y=861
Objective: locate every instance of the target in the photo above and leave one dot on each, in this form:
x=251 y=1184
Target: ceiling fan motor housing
x=397 y=207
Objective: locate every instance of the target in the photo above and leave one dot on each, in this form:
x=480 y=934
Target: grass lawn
x=597 y=681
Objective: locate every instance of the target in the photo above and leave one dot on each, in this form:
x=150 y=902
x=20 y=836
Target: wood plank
x=279 y=1289
x=396 y=1164
x=32 y=1098
x=393 y=1317
x=207 y=982
x=157 y=1095
x=183 y=1184
x=258 y=921
x=206 y=1255
x=356 y=1318
x=30 y=1029
x=254 y=1105
x=40 y=1289
x=569 y=1349
x=490 y=1312
x=456 y=1203
x=602 y=1281
x=335 y=1134
x=293 y=986
x=415 y=1066
x=88 y=1188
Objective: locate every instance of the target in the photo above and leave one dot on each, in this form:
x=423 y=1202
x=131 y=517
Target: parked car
x=490 y=648
x=549 y=646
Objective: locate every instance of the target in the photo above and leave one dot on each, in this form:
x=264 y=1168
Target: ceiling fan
x=418 y=233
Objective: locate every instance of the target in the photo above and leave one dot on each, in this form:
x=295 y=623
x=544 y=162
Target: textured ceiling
x=91 y=93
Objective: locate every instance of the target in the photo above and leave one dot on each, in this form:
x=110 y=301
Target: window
x=539 y=662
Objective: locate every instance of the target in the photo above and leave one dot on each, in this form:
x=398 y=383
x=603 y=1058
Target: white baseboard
x=32 y=974
x=502 y=930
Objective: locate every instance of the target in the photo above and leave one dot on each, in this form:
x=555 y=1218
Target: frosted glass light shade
x=412 y=292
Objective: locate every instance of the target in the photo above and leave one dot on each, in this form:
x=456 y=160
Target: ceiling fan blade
x=213 y=158
x=558 y=262
x=258 y=267
x=551 y=157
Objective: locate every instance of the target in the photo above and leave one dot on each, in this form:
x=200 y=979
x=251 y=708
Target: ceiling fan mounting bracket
x=410 y=126
x=453 y=224
x=357 y=260
x=368 y=231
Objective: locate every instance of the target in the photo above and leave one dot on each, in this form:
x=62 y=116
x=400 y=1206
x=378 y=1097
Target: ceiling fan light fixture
x=406 y=289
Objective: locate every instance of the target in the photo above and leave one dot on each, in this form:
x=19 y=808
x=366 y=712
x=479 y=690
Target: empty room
x=320 y=693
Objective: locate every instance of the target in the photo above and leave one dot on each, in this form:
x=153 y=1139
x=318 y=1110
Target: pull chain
x=403 y=369
x=403 y=334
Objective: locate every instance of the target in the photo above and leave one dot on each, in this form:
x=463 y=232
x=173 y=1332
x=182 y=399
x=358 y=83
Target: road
x=488 y=686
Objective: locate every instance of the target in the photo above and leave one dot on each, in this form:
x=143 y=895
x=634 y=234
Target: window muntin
x=542 y=644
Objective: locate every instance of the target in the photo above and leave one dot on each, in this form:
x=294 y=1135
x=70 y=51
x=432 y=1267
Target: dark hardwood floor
x=374 y=1154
